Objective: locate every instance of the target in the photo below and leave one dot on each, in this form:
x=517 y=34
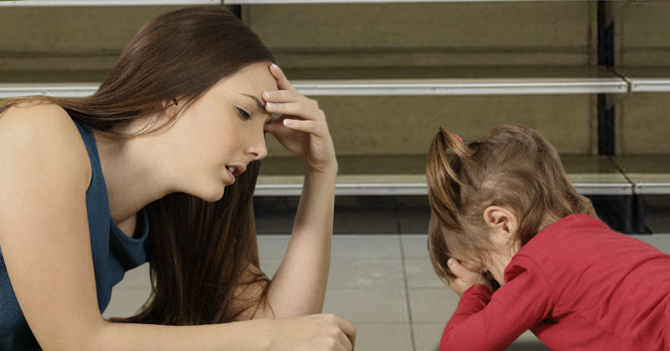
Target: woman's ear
x=170 y=107
x=501 y=220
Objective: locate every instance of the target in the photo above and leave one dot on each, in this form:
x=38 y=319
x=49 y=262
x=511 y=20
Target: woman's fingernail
x=288 y=122
x=269 y=105
x=267 y=95
x=274 y=65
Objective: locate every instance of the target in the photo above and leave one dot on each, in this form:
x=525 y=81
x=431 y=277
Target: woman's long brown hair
x=199 y=252
x=512 y=166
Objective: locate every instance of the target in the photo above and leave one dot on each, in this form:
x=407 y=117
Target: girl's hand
x=317 y=332
x=302 y=128
x=465 y=278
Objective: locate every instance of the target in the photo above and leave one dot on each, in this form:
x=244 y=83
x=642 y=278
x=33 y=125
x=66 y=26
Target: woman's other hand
x=465 y=277
x=302 y=127
x=316 y=332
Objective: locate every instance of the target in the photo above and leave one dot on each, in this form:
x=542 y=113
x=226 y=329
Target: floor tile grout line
x=409 y=304
x=404 y=274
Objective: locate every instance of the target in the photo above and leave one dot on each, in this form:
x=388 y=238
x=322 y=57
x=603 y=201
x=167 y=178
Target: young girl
x=503 y=207
x=160 y=165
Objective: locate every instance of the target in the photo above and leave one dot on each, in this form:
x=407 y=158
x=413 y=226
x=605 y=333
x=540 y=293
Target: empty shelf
x=457 y=81
x=371 y=81
x=65 y=84
x=358 y=175
x=267 y=2
x=64 y=90
x=650 y=174
x=52 y=3
x=406 y=175
x=595 y=175
x=647 y=80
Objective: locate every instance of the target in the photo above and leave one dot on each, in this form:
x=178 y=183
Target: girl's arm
x=488 y=321
x=46 y=247
x=299 y=286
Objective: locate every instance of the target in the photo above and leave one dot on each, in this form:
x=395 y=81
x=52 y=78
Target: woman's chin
x=213 y=194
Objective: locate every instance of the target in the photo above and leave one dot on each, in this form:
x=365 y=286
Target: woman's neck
x=132 y=174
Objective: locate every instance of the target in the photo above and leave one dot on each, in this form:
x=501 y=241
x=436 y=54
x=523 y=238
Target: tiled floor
x=381 y=278
x=384 y=284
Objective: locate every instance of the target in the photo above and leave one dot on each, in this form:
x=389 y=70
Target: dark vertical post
x=621 y=208
x=633 y=210
x=234 y=9
x=606 y=107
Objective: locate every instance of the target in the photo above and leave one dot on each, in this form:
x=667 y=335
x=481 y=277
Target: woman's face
x=220 y=134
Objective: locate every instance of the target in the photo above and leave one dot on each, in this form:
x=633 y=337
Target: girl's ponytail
x=443 y=184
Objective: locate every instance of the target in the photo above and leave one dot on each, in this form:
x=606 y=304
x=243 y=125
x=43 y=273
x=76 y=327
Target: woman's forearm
x=299 y=286
x=245 y=335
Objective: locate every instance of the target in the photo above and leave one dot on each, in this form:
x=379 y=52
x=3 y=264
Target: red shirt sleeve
x=492 y=321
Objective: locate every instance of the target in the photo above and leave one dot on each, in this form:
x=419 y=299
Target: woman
x=165 y=174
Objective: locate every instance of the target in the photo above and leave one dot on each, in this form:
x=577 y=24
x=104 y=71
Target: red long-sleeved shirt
x=577 y=285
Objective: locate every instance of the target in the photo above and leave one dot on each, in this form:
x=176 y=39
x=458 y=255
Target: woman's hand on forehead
x=302 y=127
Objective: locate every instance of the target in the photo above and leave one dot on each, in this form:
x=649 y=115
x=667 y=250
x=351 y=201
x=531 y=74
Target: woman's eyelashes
x=244 y=114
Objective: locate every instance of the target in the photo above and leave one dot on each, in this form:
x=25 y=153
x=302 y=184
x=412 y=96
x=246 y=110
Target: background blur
x=591 y=76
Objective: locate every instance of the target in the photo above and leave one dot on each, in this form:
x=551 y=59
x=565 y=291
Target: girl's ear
x=501 y=220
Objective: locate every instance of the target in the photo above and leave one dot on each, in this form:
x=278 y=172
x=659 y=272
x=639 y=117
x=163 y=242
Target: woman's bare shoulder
x=34 y=118
x=41 y=132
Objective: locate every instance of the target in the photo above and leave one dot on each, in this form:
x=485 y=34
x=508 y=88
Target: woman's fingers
x=282 y=125
x=282 y=96
x=348 y=329
x=345 y=343
x=286 y=108
x=299 y=113
x=282 y=81
x=312 y=332
x=301 y=125
x=296 y=109
x=346 y=335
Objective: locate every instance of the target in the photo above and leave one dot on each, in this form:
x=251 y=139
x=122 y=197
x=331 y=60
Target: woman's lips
x=231 y=176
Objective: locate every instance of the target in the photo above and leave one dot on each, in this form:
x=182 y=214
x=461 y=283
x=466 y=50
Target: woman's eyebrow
x=259 y=103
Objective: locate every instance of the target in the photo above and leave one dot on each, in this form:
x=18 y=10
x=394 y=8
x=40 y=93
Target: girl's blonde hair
x=512 y=166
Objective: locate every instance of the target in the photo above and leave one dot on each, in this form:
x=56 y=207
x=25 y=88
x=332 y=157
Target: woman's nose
x=258 y=149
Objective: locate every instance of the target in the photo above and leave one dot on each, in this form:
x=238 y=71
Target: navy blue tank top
x=114 y=253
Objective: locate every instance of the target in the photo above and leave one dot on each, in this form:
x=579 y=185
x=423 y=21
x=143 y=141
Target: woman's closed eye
x=244 y=114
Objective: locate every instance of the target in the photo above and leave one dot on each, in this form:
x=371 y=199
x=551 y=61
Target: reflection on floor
x=382 y=283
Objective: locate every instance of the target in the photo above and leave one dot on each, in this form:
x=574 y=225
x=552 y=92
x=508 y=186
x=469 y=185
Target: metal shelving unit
x=289 y=2
x=342 y=82
x=650 y=174
x=345 y=187
x=647 y=80
x=405 y=175
x=63 y=90
x=229 y=2
x=55 y=3
x=461 y=81
x=604 y=81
